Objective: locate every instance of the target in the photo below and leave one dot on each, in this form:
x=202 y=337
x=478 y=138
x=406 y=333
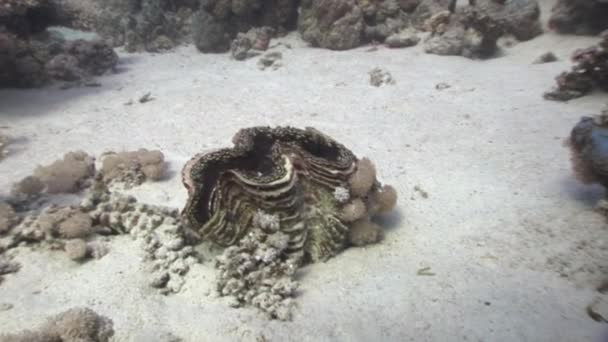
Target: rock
x=379 y=77
x=579 y=16
x=451 y=43
x=76 y=249
x=521 y=18
x=159 y=279
x=428 y=8
x=64 y=67
x=271 y=59
x=256 y=39
x=94 y=57
x=546 y=57
x=589 y=71
x=209 y=34
x=404 y=38
x=331 y=24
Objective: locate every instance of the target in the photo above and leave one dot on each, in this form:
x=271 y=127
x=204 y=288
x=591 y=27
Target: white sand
x=502 y=201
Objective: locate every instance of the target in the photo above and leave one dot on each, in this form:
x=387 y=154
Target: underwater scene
x=303 y=170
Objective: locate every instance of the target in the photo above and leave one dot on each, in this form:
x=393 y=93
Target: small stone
x=175 y=244
x=546 y=57
x=159 y=279
x=442 y=86
x=379 y=77
x=402 y=39
x=6 y=306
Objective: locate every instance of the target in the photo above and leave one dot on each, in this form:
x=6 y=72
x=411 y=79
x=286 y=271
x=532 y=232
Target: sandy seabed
x=511 y=244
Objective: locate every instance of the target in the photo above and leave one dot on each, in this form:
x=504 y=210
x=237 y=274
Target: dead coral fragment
x=252 y=43
x=259 y=271
x=77 y=324
x=133 y=168
x=589 y=71
x=379 y=77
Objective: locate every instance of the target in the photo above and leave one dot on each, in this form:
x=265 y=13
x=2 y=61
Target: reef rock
x=429 y=8
x=219 y=21
x=473 y=30
x=588 y=144
x=30 y=57
x=345 y=24
x=253 y=42
x=331 y=24
x=589 y=71
x=521 y=18
x=579 y=16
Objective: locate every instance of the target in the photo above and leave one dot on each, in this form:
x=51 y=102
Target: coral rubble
x=379 y=77
x=579 y=16
x=280 y=197
x=76 y=324
x=589 y=71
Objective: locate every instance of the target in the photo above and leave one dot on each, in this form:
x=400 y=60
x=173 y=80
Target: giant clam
x=315 y=186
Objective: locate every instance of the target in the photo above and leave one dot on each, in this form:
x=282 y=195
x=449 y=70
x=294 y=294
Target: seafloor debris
x=147 y=97
x=76 y=324
x=258 y=270
x=166 y=242
x=270 y=60
x=280 y=197
x=379 y=77
x=546 y=57
x=579 y=16
x=251 y=43
x=133 y=167
x=590 y=71
x=404 y=38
